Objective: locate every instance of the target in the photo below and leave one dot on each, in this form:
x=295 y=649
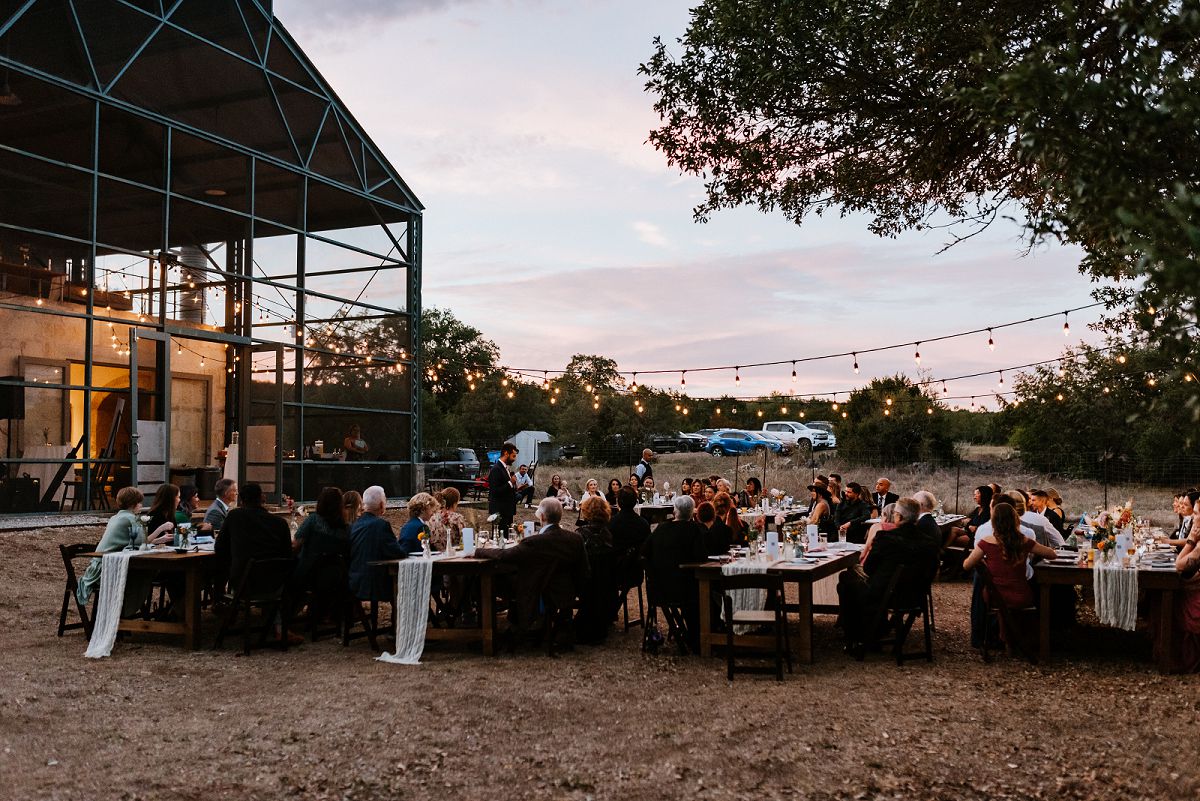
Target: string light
x=634 y=387
x=737 y=378
x=1001 y=384
x=793 y=372
x=917 y=355
x=945 y=391
x=1066 y=325
x=683 y=378
x=856 y=364
x=991 y=342
x=545 y=380
x=1121 y=359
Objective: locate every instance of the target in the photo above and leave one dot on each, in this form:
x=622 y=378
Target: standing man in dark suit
x=551 y=563
x=502 y=492
x=883 y=495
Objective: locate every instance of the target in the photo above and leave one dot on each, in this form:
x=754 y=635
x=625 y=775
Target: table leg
x=487 y=614
x=804 y=615
x=1166 y=630
x=191 y=608
x=1043 y=624
x=705 y=617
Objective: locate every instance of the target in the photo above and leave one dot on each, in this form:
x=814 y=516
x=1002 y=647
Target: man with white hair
x=927 y=523
x=372 y=540
x=551 y=564
x=674 y=543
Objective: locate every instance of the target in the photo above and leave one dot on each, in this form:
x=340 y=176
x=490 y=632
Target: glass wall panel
x=49 y=121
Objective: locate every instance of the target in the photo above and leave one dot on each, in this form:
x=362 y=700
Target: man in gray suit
x=227 y=493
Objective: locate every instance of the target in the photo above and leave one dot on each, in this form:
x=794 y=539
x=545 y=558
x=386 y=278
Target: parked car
x=677 y=442
x=458 y=464
x=734 y=441
x=797 y=434
x=821 y=425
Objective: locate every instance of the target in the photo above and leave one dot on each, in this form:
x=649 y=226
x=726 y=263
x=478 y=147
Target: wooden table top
x=166 y=554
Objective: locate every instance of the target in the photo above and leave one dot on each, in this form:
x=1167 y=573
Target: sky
x=553 y=226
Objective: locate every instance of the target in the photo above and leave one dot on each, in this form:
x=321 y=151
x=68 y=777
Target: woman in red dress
x=1006 y=551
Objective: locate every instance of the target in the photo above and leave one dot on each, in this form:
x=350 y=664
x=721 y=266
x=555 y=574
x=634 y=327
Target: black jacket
x=670 y=545
x=251 y=532
x=629 y=533
x=877 y=504
x=502 y=498
x=852 y=512
x=907 y=546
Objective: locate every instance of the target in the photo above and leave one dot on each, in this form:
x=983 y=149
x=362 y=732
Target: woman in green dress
x=124 y=529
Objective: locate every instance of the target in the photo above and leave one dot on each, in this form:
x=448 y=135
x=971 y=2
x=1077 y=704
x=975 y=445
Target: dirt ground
x=327 y=722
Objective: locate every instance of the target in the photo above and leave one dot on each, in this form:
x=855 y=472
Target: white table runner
x=114 y=570
x=1116 y=590
x=744 y=600
x=414 y=578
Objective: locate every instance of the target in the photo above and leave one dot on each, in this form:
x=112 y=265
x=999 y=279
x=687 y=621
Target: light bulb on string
x=737 y=377
x=945 y=390
x=1066 y=325
x=545 y=380
x=793 y=372
x=856 y=364
x=683 y=378
x=633 y=387
x=589 y=388
x=917 y=355
x=1001 y=383
x=991 y=342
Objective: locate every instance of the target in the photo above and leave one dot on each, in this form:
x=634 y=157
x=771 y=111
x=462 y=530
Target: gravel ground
x=327 y=722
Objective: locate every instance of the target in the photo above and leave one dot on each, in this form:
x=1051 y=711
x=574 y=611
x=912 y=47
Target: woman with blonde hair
x=421 y=507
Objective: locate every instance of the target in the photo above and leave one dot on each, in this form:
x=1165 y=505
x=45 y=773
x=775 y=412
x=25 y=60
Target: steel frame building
x=199 y=248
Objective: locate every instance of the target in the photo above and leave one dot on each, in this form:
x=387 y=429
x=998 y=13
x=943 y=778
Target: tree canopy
x=1080 y=118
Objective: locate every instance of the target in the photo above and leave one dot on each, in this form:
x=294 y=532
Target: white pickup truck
x=797 y=434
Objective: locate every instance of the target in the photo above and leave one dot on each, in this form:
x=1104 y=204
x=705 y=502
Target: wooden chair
x=677 y=628
x=623 y=570
x=897 y=615
x=263 y=585
x=1016 y=637
x=773 y=615
x=69 y=554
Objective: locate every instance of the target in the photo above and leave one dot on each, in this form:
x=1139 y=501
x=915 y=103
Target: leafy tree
x=1080 y=118
x=889 y=422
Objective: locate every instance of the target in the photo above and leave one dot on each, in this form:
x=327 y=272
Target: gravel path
x=326 y=722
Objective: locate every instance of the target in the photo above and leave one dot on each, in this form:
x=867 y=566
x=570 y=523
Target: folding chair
x=1015 y=636
x=69 y=554
x=773 y=615
x=263 y=585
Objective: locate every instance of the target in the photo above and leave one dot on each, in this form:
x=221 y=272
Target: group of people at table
x=592 y=567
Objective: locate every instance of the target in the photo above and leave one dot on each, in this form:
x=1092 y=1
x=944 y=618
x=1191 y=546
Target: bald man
x=643 y=469
x=883 y=495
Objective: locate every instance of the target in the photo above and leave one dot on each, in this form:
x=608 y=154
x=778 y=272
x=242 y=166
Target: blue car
x=734 y=441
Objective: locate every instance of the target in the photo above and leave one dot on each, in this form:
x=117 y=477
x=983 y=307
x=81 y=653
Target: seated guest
x=1041 y=503
x=372 y=540
x=835 y=494
x=710 y=492
x=524 y=486
x=1006 y=552
x=163 y=507
x=648 y=488
x=250 y=532
x=550 y=564
x=887 y=522
x=724 y=485
x=674 y=543
x=189 y=497
x=717 y=536
x=861 y=591
x=964 y=535
x=421 y=507
x=447 y=522
x=926 y=522
x=727 y=513
x=1042 y=530
x=697 y=495
x=629 y=533
x=125 y=529
x=750 y=496
x=322 y=544
x=1183 y=506
x=685 y=487
x=996 y=489
x=556 y=488
x=635 y=481
x=852 y=514
x=227 y=493
x=1186 y=617
x=590 y=490
x=599 y=597
x=352 y=502
x=883 y=494
x=820 y=512
x=614 y=487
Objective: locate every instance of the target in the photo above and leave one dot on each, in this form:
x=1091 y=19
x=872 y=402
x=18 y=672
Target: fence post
x=1104 y=459
x=957 y=481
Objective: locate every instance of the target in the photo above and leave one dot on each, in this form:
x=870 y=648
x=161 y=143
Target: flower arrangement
x=1107 y=524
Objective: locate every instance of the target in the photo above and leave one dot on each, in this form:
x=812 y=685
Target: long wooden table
x=485 y=570
x=804 y=576
x=1165 y=582
x=194 y=565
